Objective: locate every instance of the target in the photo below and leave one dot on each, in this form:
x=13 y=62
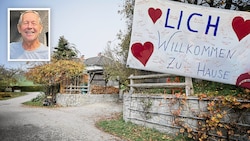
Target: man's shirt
x=18 y=52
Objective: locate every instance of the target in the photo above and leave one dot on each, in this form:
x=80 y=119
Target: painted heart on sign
x=142 y=52
x=154 y=14
x=241 y=27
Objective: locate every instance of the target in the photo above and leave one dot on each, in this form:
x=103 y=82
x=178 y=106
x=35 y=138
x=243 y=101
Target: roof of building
x=97 y=61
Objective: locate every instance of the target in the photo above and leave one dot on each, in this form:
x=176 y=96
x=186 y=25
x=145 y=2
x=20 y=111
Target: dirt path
x=22 y=123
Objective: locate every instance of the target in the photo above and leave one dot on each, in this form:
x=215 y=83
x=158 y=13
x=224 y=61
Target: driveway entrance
x=23 y=123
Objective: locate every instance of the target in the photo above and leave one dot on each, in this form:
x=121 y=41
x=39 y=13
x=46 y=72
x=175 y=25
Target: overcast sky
x=88 y=24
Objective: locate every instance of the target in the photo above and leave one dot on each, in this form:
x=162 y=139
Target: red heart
x=243 y=80
x=142 y=52
x=241 y=27
x=154 y=14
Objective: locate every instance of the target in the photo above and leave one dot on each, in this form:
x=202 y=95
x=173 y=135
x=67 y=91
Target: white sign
x=189 y=40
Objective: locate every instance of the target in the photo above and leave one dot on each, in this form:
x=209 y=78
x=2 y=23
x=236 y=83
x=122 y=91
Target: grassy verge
x=9 y=95
x=132 y=132
x=31 y=103
x=37 y=101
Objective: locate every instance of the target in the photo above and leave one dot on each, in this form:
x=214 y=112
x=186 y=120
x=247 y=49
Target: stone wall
x=162 y=112
x=83 y=99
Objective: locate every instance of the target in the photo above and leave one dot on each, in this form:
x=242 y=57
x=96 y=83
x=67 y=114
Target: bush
x=39 y=98
x=104 y=90
x=216 y=89
x=32 y=88
x=24 y=88
x=37 y=101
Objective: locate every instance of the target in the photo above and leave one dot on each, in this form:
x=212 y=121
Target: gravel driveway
x=23 y=123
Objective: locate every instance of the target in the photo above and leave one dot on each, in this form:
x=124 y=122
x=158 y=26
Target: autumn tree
x=50 y=75
x=55 y=72
x=7 y=76
x=64 y=65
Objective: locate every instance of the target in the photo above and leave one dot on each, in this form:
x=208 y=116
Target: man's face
x=30 y=28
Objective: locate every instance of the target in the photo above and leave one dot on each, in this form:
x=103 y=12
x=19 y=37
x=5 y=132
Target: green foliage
x=37 y=101
x=146 y=104
x=129 y=131
x=39 y=98
x=64 y=50
x=30 y=88
x=7 y=76
x=216 y=89
x=119 y=54
x=9 y=95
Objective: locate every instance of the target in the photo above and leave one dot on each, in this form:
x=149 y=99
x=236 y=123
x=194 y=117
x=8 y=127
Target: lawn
x=9 y=95
x=132 y=132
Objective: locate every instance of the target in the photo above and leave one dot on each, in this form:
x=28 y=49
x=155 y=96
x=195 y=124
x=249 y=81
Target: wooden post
x=88 y=91
x=131 y=83
x=189 y=86
x=70 y=88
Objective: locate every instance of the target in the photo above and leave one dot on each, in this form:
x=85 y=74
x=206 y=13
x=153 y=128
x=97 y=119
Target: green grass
x=132 y=132
x=31 y=103
x=9 y=95
x=37 y=101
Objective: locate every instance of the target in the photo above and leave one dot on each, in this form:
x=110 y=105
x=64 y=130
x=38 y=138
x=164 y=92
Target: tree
x=64 y=65
x=117 y=70
x=64 y=50
x=50 y=75
x=55 y=72
x=119 y=54
x=7 y=76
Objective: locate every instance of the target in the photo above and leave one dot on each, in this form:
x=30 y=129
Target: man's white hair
x=29 y=11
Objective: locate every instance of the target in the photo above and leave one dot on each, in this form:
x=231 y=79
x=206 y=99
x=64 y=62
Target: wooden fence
x=72 y=89
x=188 y=85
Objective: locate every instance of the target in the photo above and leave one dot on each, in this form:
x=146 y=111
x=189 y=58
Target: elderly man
x=29 y=26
